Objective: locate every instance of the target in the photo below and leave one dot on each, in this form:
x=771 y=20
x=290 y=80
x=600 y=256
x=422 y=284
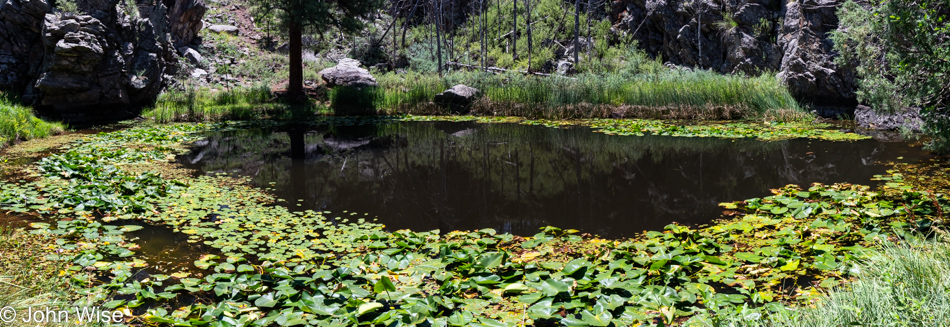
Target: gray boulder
x=224 y=29
x=459 y=98
x=866 y=117
x=191 y=54
x=98 y=64
x=348 y=73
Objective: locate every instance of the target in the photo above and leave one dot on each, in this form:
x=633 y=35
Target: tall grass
x=203 y=104
x=905 y=284
x=27 y=278
x=18 y=123
x=672 y=94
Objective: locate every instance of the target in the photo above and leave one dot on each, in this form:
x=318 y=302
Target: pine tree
x=297 y=15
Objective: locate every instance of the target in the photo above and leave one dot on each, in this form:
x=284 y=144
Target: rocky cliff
x=96 y=64
x=749 y=36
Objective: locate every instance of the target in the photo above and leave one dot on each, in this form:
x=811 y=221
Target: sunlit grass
x=18 y=123
x=905 y=285
x=207 y=105
x=664 y=95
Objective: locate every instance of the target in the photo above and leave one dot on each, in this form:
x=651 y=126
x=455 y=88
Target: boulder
x=867 y=118
x=191 y=54
x=348 y=73
x=565 y=67
x=224 y=29
x=459 y=98
x=95 y=65
x=199 y=73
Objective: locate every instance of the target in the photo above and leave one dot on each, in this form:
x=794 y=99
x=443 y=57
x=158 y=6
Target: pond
x=517 y=178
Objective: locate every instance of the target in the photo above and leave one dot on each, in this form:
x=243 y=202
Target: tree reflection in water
x=517 y=178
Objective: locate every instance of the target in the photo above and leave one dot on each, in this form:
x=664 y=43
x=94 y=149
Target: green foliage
x=318 y=15
x=728 y=22
x=901 y=52
x=550 y=22
x=67 y=6
x=17 y=122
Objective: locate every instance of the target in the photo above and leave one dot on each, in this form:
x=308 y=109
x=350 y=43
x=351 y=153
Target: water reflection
x=517 y=178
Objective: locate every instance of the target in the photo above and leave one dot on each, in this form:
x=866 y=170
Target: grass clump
x=904 y=284
x=27 y=277
x=203 y=104
x=667 y=95
x=18 y=123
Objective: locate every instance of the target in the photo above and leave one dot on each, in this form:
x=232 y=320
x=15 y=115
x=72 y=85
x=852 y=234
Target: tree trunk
x=514 y=30
x=295 y=85
x=527 y=4
x=438 y=33
x=481 y=7
x=577 y=31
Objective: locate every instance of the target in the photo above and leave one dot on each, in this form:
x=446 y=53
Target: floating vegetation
x=766 y=131
x=273 y=266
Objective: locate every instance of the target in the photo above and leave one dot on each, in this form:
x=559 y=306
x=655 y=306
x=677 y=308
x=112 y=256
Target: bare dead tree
x=437 y=4
x=528 y=21
x=514 y=30
x=405 y=26
x=577 y=33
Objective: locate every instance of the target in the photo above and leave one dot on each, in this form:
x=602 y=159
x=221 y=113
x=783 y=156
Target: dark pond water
x=517 y=178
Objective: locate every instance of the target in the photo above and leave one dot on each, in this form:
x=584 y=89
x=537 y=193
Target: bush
x=901 y=52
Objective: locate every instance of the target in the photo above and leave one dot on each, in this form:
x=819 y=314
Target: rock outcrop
x=184 y=17
x=459 y=98
x=348 y=73
x=747 y=36
x=98 y=64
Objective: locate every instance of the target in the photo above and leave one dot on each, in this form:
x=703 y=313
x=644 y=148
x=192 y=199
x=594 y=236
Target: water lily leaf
x=460 y=318
x=750 y=257
x=491 y=260
x=530 y=298
x=517 y=288
x=601 y=319
x=368 y=307
x=551 y=287
x=544 y=309
x=266 y=301
x=131 y=228
x=779 y=210
x=574 y=266
x=791 y=265
x=384 y=285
